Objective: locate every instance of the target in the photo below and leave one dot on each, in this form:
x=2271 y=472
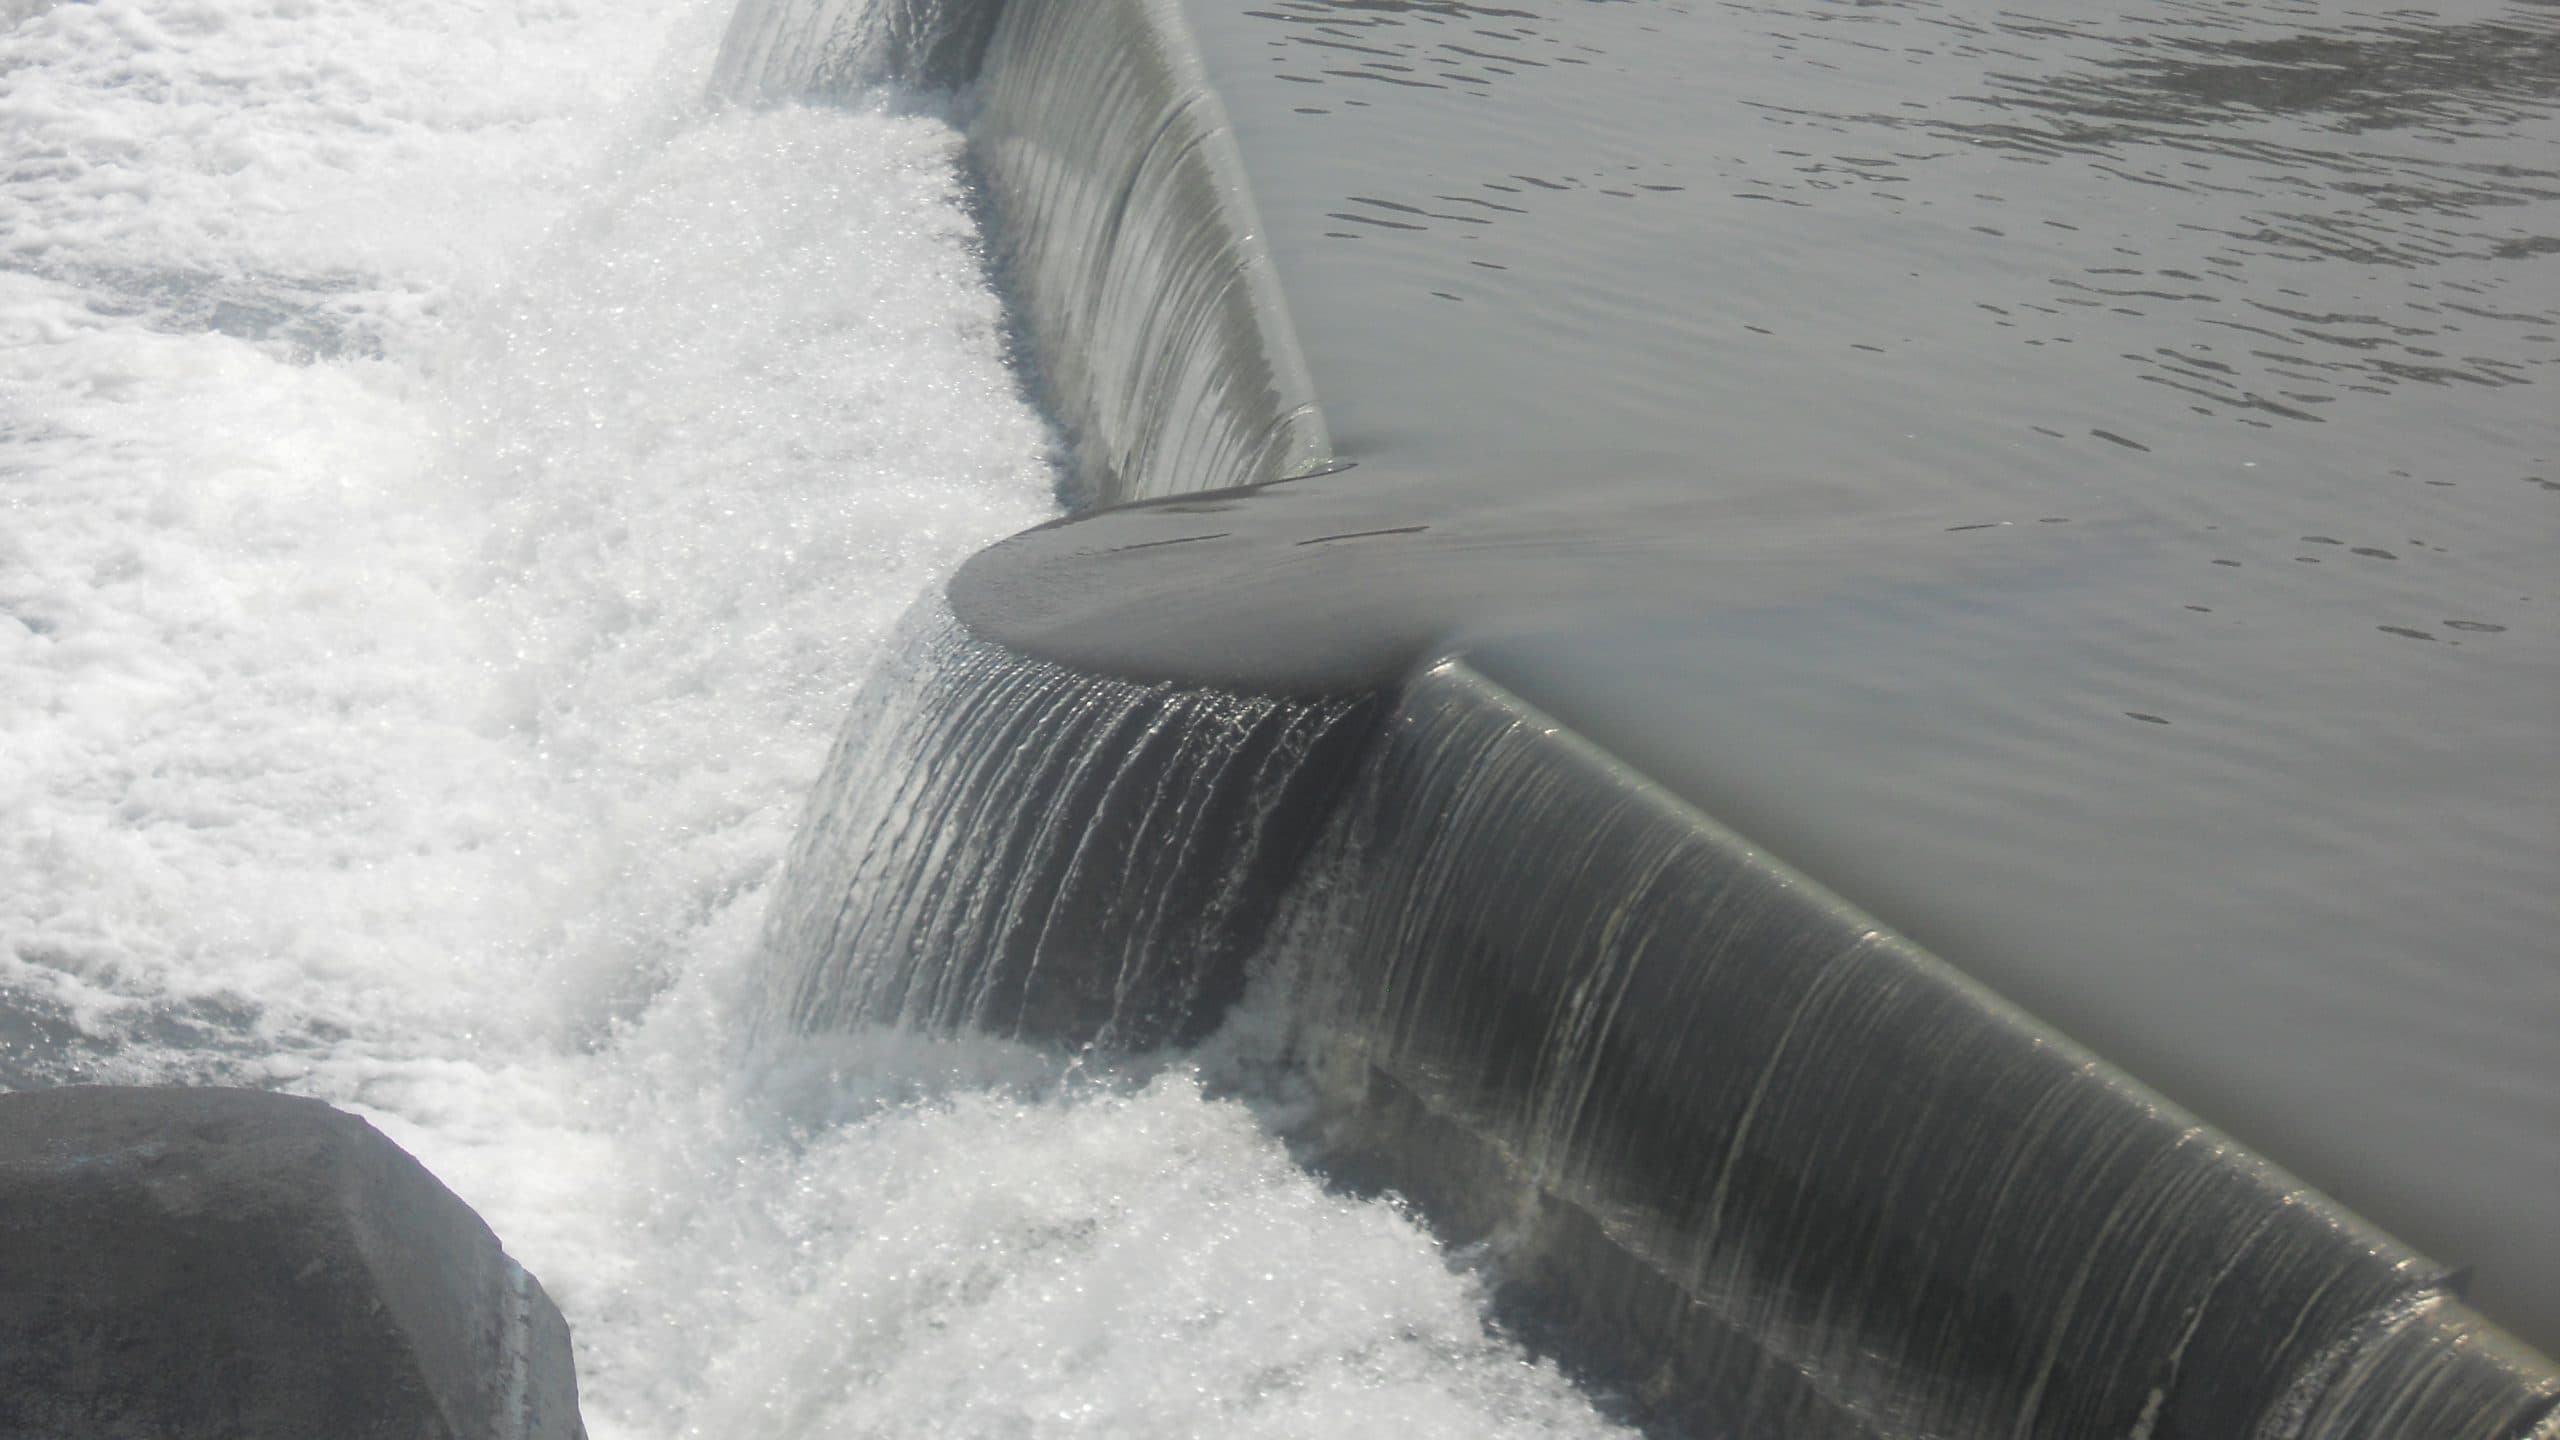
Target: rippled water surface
x=2211 y=344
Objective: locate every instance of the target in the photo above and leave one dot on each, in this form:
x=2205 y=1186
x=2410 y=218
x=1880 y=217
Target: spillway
x=987 y=828
x=1750 y=1147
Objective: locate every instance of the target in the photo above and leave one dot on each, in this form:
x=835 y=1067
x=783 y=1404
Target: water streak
x=1008 y=847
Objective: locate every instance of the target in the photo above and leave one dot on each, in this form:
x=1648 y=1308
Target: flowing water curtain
x=1127 y=228
x=780 y=50
x=1788 y=1170
x=1006 y=846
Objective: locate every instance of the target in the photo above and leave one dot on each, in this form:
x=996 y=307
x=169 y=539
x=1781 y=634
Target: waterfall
x=1778 y=1168
x=838 y=49
x=1003 y=845
x=1136 y=258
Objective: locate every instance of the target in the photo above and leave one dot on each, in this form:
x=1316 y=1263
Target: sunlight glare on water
x=450 y=482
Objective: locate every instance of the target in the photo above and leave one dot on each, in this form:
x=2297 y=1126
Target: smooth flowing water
x=452 y=479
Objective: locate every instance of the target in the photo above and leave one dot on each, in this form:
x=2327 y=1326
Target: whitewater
x=453 y=476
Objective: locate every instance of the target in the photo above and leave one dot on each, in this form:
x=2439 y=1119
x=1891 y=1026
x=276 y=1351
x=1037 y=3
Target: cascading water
x=451 y=481
x=1136 y=255
x=985 y=813
x=1792 y=1175
x=842 y=49
x=1131 y=241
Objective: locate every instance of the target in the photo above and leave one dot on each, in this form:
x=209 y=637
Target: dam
x=1792 y=720
x=1730 y=791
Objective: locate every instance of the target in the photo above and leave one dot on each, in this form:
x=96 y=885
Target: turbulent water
x=451 y=480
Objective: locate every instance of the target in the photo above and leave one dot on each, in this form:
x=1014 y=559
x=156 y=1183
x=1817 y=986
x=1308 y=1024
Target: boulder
x=181 y=1263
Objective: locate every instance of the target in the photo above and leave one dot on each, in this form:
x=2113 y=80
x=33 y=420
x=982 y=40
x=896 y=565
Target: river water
x=2079 y=480
x=451 y=481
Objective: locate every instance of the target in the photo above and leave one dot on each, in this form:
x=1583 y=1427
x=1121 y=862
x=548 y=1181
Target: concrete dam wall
x=1762 y=1160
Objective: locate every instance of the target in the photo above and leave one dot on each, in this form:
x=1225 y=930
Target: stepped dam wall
x=1767 y=1163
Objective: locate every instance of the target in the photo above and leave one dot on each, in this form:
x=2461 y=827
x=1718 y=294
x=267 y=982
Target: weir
x=1815 y=1180
x=1773 y=1164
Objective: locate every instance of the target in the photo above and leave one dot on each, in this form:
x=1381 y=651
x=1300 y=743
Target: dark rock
x=179 y=1263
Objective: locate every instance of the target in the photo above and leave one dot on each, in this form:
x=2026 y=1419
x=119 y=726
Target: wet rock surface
x=203 y=1262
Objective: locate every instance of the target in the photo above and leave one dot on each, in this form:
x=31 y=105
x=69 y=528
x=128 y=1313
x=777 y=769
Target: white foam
x=449 y=483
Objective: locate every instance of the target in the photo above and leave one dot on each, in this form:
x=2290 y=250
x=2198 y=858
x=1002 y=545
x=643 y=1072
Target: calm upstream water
x=451 y=480
x=2104 y=495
